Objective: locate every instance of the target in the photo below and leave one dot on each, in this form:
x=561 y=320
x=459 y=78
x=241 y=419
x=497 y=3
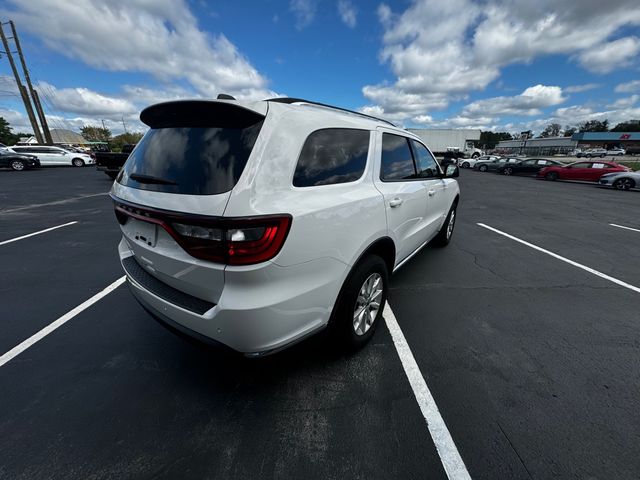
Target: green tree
x=7 y=137
x=628 y=126
x=594 y=126
x=95 y=134
x=119 y=141
x=490 y=139
x=551 y=130
x=568 y=131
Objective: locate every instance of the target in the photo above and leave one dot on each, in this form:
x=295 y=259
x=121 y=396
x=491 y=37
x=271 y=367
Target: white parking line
x=447 y=450
x=57 y=202
x=563 y=259
x=17 y=350
x=37 y=233
x=626 y=228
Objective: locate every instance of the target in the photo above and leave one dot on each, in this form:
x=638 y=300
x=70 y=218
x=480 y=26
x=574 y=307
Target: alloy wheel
x=451 y=224
x=17 y=165
x=367 y=304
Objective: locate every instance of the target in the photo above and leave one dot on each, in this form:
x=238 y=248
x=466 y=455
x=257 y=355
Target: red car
x=585 y=171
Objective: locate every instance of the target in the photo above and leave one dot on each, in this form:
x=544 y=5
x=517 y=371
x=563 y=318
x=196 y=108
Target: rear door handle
x=432 y=193
x=396 y=202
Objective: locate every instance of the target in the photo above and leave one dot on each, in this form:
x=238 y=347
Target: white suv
x=254 y=225
x=50 y=155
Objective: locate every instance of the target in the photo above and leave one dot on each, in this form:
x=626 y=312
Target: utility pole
x=125 y=127
x=23 y=91
x=34 y=94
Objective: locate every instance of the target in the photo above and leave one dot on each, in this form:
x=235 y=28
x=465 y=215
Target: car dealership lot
x=532 y=361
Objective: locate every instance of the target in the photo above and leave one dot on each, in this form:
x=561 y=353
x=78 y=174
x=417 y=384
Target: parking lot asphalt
x=533 y=362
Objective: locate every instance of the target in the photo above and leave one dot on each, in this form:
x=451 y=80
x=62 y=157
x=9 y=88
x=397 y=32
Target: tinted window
x=581 y=165
x=190 y=160
x=397 y=161
x=427 y=165
x=333 y=155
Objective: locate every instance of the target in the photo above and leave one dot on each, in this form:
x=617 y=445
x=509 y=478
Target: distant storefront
x=607 y=140
x=565 y=145
x=538 y=146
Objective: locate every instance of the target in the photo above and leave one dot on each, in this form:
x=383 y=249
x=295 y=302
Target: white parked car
x=621 y=180
x=616 y=152
x=471 y=162
x=50 y=155
x=593 y=152
x=254 y=225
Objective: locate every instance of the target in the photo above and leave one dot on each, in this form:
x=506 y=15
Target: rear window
x=397 y=160
x=190 y=160
x=332 y=155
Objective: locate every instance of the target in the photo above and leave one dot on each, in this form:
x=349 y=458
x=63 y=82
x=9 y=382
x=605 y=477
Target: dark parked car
x=111 y=163
x=494 y=165
x=586 y=171
x=530 y=166
x=18 y=161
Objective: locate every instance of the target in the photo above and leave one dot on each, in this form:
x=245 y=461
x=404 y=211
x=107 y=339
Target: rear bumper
x=261 y=309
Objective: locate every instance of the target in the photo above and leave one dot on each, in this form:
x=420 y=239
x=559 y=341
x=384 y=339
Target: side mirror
x=451 y=171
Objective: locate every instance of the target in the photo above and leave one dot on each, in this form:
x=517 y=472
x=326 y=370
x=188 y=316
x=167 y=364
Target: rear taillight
x=233 y=241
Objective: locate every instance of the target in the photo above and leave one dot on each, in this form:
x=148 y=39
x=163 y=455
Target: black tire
x=342 y=319
x=552 y=176
x=624 y=184
x=465 y=165
x=77 y=162
x=475 y=155
x=482 y=168
x=508 y=171
x=18 y=165
x=443 y=237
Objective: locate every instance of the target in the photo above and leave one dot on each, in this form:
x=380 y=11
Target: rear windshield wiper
x=150 y=179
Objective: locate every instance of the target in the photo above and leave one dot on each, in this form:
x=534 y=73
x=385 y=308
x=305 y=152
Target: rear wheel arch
x=384 y=248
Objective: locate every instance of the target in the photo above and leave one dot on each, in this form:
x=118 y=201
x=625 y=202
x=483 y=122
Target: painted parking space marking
x=37 y=233
x=447 y=451
x=626 y=228
x=18 y=349
x=563 y=259
x=57 y=202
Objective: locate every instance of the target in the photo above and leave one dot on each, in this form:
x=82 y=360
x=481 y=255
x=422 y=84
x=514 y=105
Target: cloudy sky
x=491 y=64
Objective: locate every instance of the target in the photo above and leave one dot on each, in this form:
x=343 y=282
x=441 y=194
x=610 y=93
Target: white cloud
x=629 y=87
x=626 y=102
x=348 y=13
x=456 y=47
x=609 y=56
x=304 y=11
x=529 y=102
x=84 y=101
x=18 y=121
x=161 y=38
x=581 y=88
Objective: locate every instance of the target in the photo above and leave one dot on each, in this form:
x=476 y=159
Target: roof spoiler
x=199 y=113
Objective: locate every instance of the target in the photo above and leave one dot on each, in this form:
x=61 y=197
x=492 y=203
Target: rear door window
x=332 y=155
x=397 y=160
x=190 y=160
x=427 y=165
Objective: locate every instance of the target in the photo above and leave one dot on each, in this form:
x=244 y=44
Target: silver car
x=621 y=180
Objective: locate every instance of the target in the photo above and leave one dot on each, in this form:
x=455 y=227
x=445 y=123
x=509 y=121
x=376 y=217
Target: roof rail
x=289 y=101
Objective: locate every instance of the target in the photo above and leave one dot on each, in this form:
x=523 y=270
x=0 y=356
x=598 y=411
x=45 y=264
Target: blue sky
x=495 y=64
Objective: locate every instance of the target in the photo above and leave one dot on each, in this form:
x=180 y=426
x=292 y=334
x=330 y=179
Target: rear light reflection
x=233 y=241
